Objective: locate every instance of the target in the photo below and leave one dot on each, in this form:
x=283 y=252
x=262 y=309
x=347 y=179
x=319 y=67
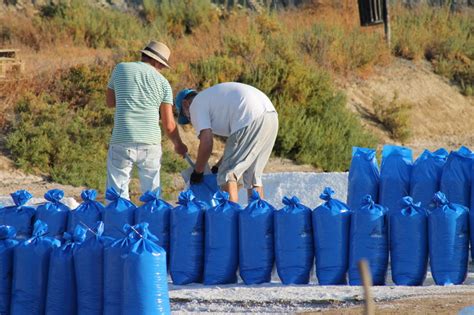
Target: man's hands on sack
x=196 y=177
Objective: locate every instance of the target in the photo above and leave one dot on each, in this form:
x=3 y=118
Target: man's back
x=139 y=90
x=228 y=107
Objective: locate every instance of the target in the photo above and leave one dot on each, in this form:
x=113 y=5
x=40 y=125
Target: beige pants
x=247 y=151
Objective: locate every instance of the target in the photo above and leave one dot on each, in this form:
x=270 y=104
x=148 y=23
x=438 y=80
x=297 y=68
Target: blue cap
x=182 y=120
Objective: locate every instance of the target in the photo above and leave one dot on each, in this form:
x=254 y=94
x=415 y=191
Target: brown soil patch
x=440 y=305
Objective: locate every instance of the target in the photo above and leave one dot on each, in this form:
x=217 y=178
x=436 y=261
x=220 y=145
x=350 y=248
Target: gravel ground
x=275 y=298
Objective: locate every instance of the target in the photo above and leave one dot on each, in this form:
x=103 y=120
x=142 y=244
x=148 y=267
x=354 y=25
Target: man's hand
x=196 y=177
x=180 y=148
x=169 y=125
x=204 y=150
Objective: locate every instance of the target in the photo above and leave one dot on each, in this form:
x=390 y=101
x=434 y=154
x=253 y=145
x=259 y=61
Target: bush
x=441 y=36
x=343 y=49
x=50 y=138
x=181 y=17
x=394 y=116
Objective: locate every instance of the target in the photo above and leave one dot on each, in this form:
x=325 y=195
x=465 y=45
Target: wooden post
x=387 y=29
x=367 y=283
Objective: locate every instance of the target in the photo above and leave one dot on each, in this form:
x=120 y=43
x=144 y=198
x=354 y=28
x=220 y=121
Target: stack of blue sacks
x=83 y=272
x=426 y=212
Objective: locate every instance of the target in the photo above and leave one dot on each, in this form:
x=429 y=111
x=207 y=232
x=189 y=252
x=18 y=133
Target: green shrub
x=50 y=138
x=178 y=17
x=95 y=26
x=439 y=35
x=341 y=49
x=394 y=116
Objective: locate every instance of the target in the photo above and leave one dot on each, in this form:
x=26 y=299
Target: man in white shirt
x=248 y=119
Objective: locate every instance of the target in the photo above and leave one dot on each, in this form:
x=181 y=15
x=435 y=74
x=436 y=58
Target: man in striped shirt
x=140 y=95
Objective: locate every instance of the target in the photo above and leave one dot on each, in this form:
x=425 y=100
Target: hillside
x=440 y=116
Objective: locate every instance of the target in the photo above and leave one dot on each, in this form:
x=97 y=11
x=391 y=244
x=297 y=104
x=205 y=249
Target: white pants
x=120 y=160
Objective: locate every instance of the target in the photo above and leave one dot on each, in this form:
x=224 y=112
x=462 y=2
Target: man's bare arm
x=110 y=98
x=170 y=128
x=206 y=143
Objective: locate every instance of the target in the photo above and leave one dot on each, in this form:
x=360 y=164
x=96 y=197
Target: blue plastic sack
x=364 y=177
x=395 y=176
x=117 y=213
x=221 y=244
x=369 y=240
x=187 y=240
x=409 y=243
x=331 y=228
x=30 y=272
x=472 y=188
x=426 y=176
x=448 y=230
x=113 y=270
x=62 y=296
x=7 y=245
x=156 y=212
x=294 y=251
x=19 y=216
x=88 y=213
x=457 y=177
x=145 y=284
x=89 y=271
x=54 y=213
x=256 y=243
x=472 y=195
x=205 y=190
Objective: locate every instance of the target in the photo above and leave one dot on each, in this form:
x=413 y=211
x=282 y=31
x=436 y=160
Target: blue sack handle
x=292 y=202
x=21 y=197
x=327 y=194
x=465 y=152
x=404 y=152
x=440 y=199
x=7 y=232
x=254 y=196
x=186 y=197
x=441 y=153
x=409 y=206
x=368 y=201
x=54 y=195
x=78 y=236
x=143 y=231
x=151 y=195
x=408 y=201
x=366 y=153
x=80 y=232
x=128 y=231
x=89 y=194
x=221 y=197
x=112 y=194
x=40 y=228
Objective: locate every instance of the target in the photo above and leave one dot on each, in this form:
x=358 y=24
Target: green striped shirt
x=139 y=91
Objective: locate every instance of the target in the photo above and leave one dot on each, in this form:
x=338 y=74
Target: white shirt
x=227 y=107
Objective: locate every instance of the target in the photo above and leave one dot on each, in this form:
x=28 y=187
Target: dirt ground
x=440 y=115
x=438 y=304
